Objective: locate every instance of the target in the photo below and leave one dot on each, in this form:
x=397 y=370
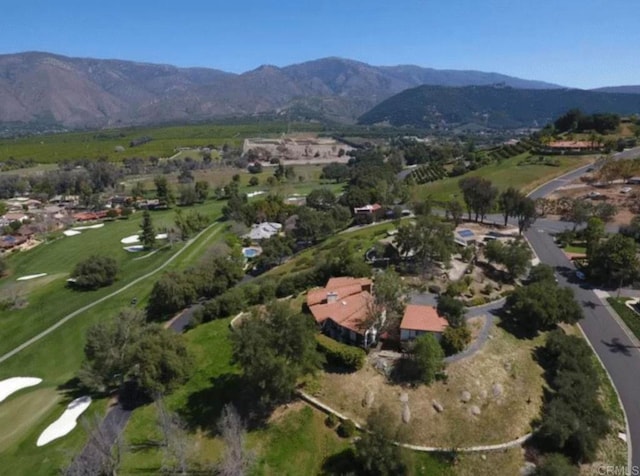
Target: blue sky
x=584 y=44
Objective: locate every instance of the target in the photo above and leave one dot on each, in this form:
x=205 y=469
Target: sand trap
x=88 y=227
x=134 y=248
x=255 y=194
x=66 y=422
x=71 y=232
x=162 y=236
x=31 y=276
x=12 y=385
x=130 y=240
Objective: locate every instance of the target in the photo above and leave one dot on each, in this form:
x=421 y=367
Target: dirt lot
x=626 y=203
x=300 y=148
x=503 y=379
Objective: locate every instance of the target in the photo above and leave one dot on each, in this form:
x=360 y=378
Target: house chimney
x=332 y=297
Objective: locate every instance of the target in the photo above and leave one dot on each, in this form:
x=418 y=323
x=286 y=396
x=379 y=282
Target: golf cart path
x=77 y=312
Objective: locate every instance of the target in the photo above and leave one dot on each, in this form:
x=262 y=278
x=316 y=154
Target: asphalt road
x=616 y=350
x=619 y=354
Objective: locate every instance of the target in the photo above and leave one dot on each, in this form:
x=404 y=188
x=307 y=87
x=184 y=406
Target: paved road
x=618 y=353
x=616 y=350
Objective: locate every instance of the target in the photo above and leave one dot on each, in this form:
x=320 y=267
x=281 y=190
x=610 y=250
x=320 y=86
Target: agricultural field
x=505 y=174
x=55 y=148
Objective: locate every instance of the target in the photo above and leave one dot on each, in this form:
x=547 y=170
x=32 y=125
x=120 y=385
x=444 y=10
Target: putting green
x=20 y=414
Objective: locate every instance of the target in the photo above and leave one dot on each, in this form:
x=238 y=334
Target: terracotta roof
x=350 y=312
x=351 y=306
x=423 y=318
x=340 y=282
x=343 y=287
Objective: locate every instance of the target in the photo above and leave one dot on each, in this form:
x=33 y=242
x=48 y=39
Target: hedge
x=340 y=354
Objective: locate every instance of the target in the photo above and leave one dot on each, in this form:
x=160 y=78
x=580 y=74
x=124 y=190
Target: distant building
x=573 y=146
x=464 y=237
x=418 y=320
x=342 y=309
x=263 y=231
x=367 y=209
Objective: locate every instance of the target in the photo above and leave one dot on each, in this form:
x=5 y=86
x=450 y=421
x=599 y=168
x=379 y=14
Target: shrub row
x=340 y=354
x=428 y=173
x=573 y=419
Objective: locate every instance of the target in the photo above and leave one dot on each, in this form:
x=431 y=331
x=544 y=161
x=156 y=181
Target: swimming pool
x=251 y=252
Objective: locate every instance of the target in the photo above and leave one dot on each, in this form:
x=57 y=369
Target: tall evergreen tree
x=148 y=235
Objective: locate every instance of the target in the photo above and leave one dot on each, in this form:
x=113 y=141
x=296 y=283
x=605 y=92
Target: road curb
x=624 y=413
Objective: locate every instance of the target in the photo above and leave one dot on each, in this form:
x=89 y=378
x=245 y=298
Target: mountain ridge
x=74 y=92
x=492 y=106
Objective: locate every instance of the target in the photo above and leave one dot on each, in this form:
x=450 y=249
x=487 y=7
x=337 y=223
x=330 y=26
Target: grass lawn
x=575 y=249
x=630 y=318
x=503 y=175
x=49 y=299
x=359 y=241
x=24 y=416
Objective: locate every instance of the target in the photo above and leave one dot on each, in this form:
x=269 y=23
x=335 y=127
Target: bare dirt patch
x=625 y=197
x=503 y=379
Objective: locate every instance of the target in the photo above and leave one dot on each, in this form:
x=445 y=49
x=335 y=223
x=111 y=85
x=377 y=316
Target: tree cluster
x=576 y=121
x=541 y=305
x=426 y=242
x=211 y=277
x=94 y=272
x=573 y=419
x=479 y=195
x=373 y=180
x=128 y=349
x=274 y=349
x=613 y=260
x=514 y=204
x=457 y=335
x=423 y=363
x=514 y=255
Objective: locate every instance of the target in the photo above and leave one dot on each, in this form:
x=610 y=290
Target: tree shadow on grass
x=203 y=408
x=511 y=325
x=343 y=463
x=72 y=389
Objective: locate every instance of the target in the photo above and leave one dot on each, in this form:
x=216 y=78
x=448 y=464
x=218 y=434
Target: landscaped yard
x=294 y=441
x=505 y=174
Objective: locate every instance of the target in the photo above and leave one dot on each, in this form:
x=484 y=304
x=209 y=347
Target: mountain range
x=494 y=106
x=44 y=88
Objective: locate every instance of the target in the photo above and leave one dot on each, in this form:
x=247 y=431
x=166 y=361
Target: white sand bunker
x=12 y=385
x=71 y=232
x=134 y=248
x=129 y=240
x=67 y=421
x=88 y=227
x=31 y=276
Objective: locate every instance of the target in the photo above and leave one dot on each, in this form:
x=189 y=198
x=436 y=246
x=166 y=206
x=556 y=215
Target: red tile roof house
x=367 y=209
x=419 y=320
x=343 y=310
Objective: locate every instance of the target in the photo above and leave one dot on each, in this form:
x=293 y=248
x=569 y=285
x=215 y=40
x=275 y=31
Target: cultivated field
x=505 y=174
x=55 y=148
